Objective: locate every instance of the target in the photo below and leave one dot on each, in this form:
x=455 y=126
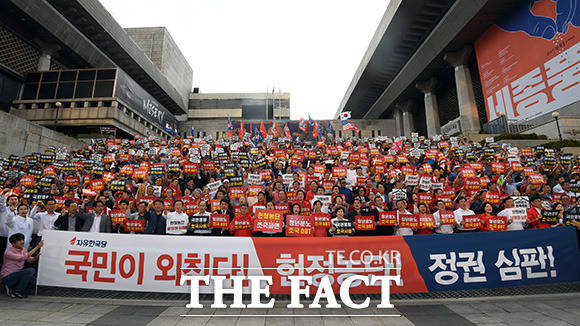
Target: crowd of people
x=281 y=187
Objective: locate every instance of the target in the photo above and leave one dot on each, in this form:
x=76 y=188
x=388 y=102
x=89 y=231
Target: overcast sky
x=310 y=48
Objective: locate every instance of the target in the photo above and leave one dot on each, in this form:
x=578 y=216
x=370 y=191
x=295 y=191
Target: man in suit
x=99 y=221
x=72 y=218
x=225 y=210
x=157 y=222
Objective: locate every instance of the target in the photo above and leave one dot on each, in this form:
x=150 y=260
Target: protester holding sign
x=460 y=212
x=242 y=224
x=403 y=213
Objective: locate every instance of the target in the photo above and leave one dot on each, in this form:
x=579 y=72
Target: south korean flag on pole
x=345 y=115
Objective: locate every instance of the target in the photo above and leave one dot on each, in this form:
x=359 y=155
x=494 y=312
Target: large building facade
x=68 y=65
x=449 y=66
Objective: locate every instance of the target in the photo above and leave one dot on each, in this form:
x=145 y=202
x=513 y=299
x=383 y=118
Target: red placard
x=408 y=221
x=446 y=200
x=319 y=169
x=97 y=185
x=291 y=195
x=215 y=205
x=425 y=197
x=492 y=197
x=137 y=226
x=468 y=173
x=388 y=218
x=268 y=220
x=364 y=223
x=339 y=172
x=321 y=220
x=426 y=221
x=219 y=221
x=27 y=181
x=117 y=216
x=72 y=181
x=447 y=218
x=190 y=168
x=471 y=221
x=282 y=207
x=254 y=190
x=536 y=179
x=472 y=184
x=299 y=226
x=242 y=222
x=497 y=223
x=497 y=167
x=237 y=192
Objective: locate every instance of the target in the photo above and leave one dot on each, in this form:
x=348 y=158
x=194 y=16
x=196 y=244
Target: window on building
x=379 y=131
x=217 y=135
x=359 y=134
x=353 y=133
x=373 y=133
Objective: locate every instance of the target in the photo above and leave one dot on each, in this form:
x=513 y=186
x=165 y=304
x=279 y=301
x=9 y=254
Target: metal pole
x=267 y=103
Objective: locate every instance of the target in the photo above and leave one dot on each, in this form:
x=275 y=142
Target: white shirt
x=459 y=213
x=45 y=221
x=208 y=231
x=441 y=229
x=513 y=226
x=178 y=217
x=400 y=230
x=95 y=228
x=18 y=224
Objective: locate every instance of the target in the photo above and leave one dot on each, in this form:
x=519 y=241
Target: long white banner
x=149 y=263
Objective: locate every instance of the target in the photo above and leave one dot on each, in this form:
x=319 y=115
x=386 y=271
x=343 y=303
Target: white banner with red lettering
x=129 y=262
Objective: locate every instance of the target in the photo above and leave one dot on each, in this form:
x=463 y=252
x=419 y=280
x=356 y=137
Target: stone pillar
x=398 y=116
x=431 y=108
x=406 y=109
x=465 y=97
x=46 y=52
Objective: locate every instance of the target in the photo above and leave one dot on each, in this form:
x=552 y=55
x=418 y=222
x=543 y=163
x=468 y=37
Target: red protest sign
x=497 y=167
x=72 y=181
x=471 y=221
x=388 y=218
x=117 y=216
x=492 y=197
x=254 y=190
x=364 y=223
x=497 y=223
x=408 y=221
x=299 y=226
x=242 y=222
x=339 y=172
x=27 y=181
x=472 y=184
x=237 y=192
x=321 y=220
x=446 y=200
x=137 y=226
x=447 y=218
x=219 y=221
x=426 y=221
x=425 y=197
x=468 y=173
x=268 y=220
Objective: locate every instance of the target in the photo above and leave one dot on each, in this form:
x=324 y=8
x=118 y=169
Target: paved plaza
x=551 y=309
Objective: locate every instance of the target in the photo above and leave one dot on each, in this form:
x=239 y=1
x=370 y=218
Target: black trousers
x=3 y=241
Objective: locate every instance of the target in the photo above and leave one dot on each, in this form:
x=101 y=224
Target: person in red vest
x=423 y=210
x=242 y=224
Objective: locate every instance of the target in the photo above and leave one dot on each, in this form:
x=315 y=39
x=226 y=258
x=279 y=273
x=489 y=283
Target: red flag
x=302 y=125
x=275 y=128
x=315 y=130
x=242 y=131
x=287 y=132
x=263 y=130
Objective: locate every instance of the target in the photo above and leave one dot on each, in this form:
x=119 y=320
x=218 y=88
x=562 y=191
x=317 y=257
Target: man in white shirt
x=45 y=220
x=202 y=212
x=460 y=212
x=441 y=228
x=176 y=219
x=511 y=225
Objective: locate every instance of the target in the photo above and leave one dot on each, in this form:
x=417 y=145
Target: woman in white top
x=401 y=209
x=21 y=222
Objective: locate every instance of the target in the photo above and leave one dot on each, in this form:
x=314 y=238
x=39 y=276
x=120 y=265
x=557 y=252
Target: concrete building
x=68 y=65
x=447 y=66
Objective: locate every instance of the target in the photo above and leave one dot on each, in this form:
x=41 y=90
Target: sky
x=310 y=48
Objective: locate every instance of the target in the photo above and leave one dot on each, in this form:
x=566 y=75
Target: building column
x=431 y=108
x=398 y=116
x=406 y=109
x=466 y=99
x=46 y=52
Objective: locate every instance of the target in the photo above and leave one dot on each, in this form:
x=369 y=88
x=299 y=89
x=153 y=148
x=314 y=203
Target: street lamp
x=556 y=115
x=58 y=105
